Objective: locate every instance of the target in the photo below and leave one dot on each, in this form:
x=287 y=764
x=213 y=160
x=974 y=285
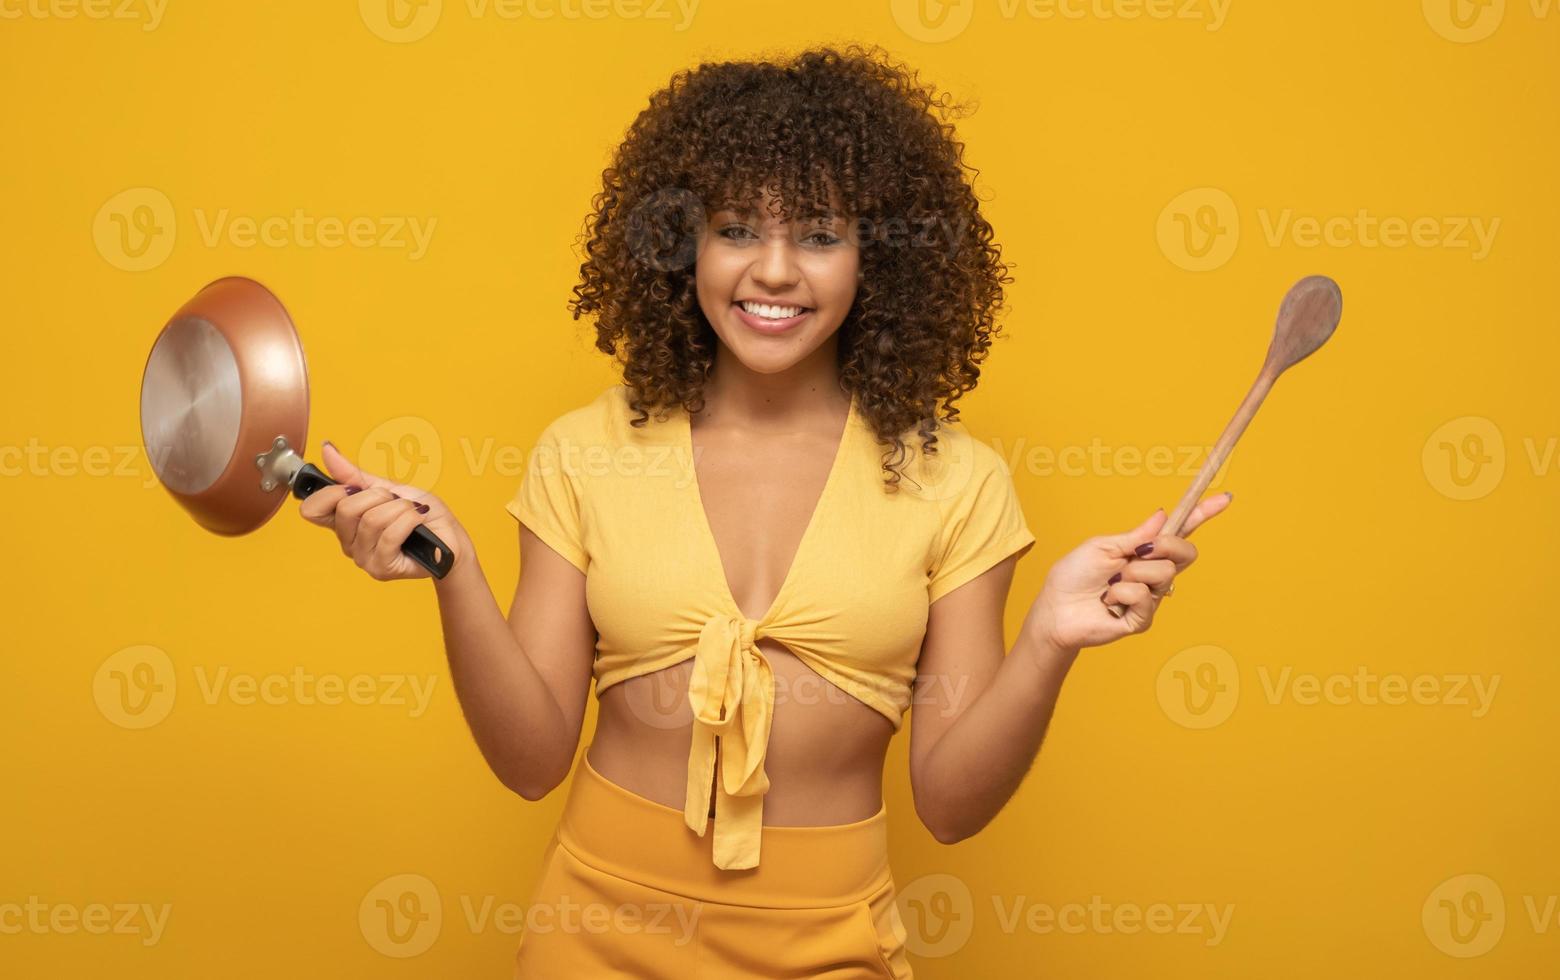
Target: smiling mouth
x=777 y=312
x=760 y=318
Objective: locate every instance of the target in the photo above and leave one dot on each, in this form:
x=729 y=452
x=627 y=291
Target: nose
x=775 y=266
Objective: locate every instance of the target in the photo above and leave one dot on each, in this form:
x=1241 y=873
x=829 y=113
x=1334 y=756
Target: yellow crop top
x=622 y=505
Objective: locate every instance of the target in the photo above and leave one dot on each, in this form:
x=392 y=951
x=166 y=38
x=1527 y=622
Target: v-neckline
x=707 y=532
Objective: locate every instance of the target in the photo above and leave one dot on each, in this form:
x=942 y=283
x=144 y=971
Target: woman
x=741 y=546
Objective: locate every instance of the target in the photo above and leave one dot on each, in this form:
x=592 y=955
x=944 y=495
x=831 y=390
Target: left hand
x=1069 y=614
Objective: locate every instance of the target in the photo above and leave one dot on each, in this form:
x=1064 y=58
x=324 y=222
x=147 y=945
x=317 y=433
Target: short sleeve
x=548 y=501
x=981 y=525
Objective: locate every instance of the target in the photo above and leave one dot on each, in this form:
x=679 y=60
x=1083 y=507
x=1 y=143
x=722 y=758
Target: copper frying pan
x=225 y=412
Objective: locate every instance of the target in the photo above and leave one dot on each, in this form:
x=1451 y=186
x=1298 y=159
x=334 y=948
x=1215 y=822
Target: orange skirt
x=627 y=890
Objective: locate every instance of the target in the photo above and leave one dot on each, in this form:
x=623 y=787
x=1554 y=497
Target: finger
x=1125 y=545
x=1210 y=507
x=343 y=470
x=319 y=507
x=371 y=528
x=1127 y=593
x=1138 y=600
x=1171 y=547
x=395 y=535
x=1157 y=574
x=350 y=510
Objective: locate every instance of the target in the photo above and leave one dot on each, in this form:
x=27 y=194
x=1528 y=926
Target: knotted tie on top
x=731 y=691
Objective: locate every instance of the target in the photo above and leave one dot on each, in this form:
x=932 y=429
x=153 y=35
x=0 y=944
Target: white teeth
x=771 y=312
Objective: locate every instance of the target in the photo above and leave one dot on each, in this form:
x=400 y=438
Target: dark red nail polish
x=1104 y=594
x=1113 y=579
x=1144 y=549
x=423 y=508
x=353 y=489
x=395 y=495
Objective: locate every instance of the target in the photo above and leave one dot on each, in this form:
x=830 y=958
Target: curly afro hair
x=821 y=126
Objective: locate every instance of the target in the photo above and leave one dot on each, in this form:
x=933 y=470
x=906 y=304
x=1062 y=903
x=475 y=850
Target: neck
x=806 y=393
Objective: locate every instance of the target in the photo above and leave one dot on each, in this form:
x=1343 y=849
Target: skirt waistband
x=633 y=837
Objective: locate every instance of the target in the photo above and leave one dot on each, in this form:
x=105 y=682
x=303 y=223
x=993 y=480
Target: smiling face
x=775 y=292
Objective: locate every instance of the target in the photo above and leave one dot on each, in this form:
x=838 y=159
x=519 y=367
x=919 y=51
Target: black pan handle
x=422 y=546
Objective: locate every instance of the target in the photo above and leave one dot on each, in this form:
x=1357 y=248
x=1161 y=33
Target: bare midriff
x=824 y=758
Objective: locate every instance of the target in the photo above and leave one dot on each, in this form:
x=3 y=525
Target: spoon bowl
x=1306 y=318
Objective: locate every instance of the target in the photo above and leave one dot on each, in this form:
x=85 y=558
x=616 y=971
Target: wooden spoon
x=1307 y=317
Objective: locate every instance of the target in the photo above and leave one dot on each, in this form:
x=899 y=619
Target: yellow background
x=1332 y=829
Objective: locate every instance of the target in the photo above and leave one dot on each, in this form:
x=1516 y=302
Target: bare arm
x=979 y=715
x=522 y=684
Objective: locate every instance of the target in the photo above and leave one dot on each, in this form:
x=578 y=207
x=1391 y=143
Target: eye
x=725 y=232
x=827 y=238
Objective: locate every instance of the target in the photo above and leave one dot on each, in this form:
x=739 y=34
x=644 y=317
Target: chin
x=769 y=357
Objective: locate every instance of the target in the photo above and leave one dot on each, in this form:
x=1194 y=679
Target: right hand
x=372 y=523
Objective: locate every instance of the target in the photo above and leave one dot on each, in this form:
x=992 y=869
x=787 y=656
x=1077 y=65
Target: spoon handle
x=1210 y=468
